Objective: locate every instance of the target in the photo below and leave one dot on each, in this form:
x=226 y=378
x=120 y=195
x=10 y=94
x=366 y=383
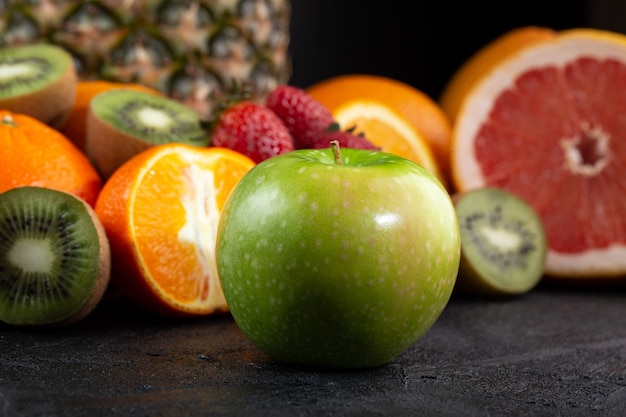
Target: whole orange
x=33 y=153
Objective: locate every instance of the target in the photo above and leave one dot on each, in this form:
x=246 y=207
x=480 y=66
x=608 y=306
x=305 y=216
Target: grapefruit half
x=548 y=124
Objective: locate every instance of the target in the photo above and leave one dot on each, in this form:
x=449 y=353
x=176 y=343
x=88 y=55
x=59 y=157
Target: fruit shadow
x=606 y=287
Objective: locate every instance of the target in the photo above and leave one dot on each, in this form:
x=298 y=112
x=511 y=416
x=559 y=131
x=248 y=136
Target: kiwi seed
x=38 y=80
x=121 y=123
x=55 y=264
x=503 y=243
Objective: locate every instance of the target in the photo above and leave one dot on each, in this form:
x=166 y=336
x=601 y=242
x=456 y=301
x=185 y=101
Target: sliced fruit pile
x=132 y=188
x=143 y=162
x=527 y=139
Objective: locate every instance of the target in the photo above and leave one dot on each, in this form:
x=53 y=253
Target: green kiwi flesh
x=503 y=243
x=38 y=80
x=121 y=123
x=155 y=119
x=55 y=263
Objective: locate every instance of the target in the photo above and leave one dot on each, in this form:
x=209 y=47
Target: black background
x=418 y=42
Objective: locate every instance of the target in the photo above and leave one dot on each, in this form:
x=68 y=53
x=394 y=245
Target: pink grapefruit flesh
x=549 y=125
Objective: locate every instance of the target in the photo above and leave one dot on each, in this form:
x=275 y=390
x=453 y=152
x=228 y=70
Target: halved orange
x=548 y=124
x=160 y=210
x=393 y=115
x=484 y=60
x=385 y=128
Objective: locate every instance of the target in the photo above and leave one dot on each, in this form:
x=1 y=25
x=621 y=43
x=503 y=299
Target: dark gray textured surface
x=553 y=352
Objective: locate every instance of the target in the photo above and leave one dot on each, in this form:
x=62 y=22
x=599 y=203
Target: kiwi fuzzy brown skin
x=52 y=100
x=101 y=281
x=104 y=274
x=478 y=274
x=111 y=140
x=108 y=148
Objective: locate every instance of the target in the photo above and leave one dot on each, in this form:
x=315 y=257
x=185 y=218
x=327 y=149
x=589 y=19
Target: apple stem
x=334 y=145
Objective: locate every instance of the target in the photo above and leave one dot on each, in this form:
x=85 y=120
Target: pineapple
x=191 y=50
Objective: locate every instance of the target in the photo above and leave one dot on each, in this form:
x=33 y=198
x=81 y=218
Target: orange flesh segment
x=386 y=129
x=570 y=141
x=176 y=209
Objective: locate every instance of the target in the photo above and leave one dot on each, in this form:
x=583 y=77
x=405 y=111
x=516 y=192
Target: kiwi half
x=55 y=258
x=38 y=80
x=503 y=243
x=121 y=123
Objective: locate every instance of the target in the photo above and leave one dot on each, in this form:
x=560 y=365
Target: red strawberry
x=253 y=130
x=346 y=138
x=304 y=116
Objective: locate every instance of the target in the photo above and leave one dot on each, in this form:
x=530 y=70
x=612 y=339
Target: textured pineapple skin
x=191 y=50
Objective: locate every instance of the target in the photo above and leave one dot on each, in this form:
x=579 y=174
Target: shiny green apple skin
x=341 y=266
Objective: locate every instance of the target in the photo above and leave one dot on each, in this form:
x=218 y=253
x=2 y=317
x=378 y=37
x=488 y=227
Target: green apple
x=337 y=259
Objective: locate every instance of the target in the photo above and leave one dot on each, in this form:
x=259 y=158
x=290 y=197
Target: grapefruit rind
x=484 y=60
x=467 y=173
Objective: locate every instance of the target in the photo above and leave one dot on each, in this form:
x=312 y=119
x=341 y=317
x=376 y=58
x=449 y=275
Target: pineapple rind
x=155 y=42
